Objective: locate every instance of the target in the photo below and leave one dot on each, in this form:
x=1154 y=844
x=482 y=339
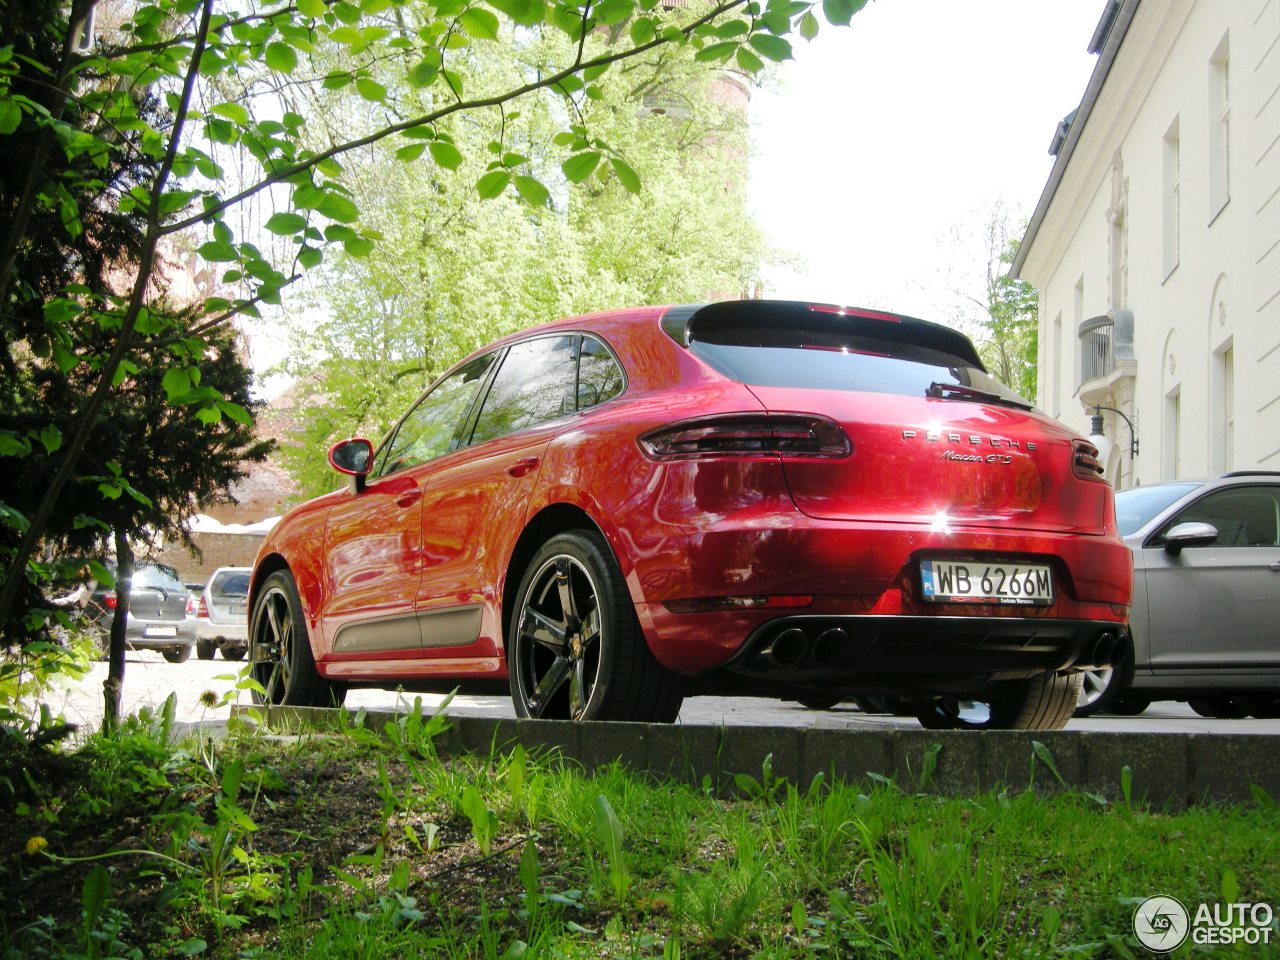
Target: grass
x=363 y=845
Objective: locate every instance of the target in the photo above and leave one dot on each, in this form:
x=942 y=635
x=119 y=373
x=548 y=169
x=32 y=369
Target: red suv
x=791 y=500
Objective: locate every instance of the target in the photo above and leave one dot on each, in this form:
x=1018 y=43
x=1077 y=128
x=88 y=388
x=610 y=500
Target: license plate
x=1018 y=584
x=237 y=608
x=159 y=631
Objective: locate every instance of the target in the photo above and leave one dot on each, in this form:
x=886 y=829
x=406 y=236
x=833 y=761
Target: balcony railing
x=1106 y=345
x=1097 y=348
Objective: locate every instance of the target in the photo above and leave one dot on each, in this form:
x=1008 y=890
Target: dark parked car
x=157 y=617
x=610 y=512
x=1205 y=624
x=222 y=618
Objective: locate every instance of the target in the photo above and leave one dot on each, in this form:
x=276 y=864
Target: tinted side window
x=535 y=384
x=432 y=428
x=599 y=376
x=1243 y=516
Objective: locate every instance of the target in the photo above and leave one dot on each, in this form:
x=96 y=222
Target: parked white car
x=221 y=619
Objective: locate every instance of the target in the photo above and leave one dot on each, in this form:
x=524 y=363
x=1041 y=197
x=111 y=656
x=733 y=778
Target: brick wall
x=218 y=550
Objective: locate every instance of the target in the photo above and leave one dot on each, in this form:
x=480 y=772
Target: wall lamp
x=1099 y=438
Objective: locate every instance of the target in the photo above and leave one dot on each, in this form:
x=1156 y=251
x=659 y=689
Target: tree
x=456 y=271
x=213 y=68
x=1006 y=319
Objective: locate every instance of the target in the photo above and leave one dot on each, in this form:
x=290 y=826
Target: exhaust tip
x=788 y=648
x=832 y=647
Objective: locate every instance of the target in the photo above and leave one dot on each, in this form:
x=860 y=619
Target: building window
x=1172 y=466
x=1054 y=370
x=1219 y=128
x=1172 y=196
x=1224 y=385
x=1077 y=316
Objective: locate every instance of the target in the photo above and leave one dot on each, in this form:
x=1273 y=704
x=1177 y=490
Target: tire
x=574 y=647
x=280 y=650
x=204 y=650
x=181 y=655
x=1045 y=702
x=1102 y=688
x=1217 y=708
x=233 y=653
x=1260 y=705
x=1129 y=706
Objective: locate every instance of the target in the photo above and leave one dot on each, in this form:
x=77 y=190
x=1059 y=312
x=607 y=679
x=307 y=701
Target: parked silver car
x=1205 y=623
x=157 y=617
x=221 y=621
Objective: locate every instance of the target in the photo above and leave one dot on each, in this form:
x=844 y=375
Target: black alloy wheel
x=280 y=649
x=575 y=650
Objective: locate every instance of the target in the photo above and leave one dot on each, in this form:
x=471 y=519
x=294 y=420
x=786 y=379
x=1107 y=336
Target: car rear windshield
x=230 y=585
x=836 y=360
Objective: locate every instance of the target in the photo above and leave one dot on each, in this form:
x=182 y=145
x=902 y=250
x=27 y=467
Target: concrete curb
x=1169 y=770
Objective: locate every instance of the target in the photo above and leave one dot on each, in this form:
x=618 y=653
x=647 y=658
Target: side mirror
x=354 y=458
x=1189 y=535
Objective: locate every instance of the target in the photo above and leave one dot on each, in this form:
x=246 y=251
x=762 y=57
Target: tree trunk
x=113 y=686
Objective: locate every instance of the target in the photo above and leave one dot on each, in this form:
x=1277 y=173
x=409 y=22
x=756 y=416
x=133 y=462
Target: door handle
x=409 y=499
x=522 y=466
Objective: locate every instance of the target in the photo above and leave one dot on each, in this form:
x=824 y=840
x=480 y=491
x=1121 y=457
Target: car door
x=474 y=507
x=1217 y=605
x=373 y=535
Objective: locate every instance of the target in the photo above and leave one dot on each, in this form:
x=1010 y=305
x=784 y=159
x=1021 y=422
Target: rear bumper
x=152 y=634
x=920 y=652
x=223 y=634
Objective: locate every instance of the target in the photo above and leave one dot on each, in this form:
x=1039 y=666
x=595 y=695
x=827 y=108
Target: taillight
x=1084 y=460
x=110 y=601
x=202 y=608
x=747 y=435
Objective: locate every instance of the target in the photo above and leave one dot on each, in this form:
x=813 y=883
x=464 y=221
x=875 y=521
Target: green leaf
x=50 y=439
x=337 y=207
x=284 y=223
x=310 y=257
x=10 y=116
x=371 y=90
x=445 y=154
x=281 y=57
x=235 y=412
x=809 y=26
x=208 y=415
x=311 y=8
x=526 y=13
x=177 y=384
x=626 y=176
x=643 y=30
x=748 y=61
x=425 y=73
x=93 y=896
x=716 y=52
x=216 y=252
x=532 y=191
x=839 y=12
x=479 y=23
x=411 y=152
x=609 y=834
x=580 y=166
x=770 y=47
x=358 y=246
x=232 y=111
x=492 y=184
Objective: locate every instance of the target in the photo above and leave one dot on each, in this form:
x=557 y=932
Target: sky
x=884 y=147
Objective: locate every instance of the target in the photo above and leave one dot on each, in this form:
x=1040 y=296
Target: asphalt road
x=149 y=679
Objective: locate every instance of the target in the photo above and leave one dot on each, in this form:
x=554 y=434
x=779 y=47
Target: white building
x=1156 y=243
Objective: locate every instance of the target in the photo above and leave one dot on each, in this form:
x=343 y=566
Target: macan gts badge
x=608 y=513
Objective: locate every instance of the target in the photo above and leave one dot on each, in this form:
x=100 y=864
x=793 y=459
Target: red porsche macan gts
x=611 y=512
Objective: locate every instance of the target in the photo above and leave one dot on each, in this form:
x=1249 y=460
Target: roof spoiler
x=683 y=323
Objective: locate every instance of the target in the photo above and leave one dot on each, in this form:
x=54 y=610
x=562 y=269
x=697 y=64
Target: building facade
x=1156 y=243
